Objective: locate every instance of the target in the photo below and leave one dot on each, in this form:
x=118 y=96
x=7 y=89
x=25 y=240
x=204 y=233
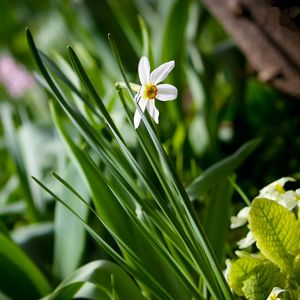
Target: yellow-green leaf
x=261 y=281
x=276 y=232
x=240 y=271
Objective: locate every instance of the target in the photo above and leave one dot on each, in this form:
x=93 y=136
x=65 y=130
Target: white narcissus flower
x=151 y=90
x=275 y=292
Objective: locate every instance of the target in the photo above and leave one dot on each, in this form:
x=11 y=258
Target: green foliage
x=19 y=271
x=97 y=280
x=14 y=145
x=116 y=204
x=67 y=225
x=130 y=190
x=254 y=277
x=240 y=270
x=260 y=283
x=221 y=170
x=276 y=231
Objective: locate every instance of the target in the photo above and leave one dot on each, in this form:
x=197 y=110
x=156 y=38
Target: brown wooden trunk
x=269 y=36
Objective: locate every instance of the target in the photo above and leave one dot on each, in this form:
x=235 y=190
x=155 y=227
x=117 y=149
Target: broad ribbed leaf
x=262 y=280
x=240 y=270
x=297 y=267
x=276 y=232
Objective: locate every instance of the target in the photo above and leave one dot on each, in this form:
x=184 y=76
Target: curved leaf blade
x=21 y=276
x=221 y=169
x=105 y=275
x=66 y=224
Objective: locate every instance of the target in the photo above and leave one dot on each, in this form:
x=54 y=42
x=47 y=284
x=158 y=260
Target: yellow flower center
x=150 y=91
x=273 y=297
x=279 y=188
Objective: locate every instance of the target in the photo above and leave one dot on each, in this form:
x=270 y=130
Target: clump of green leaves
x=275 y=227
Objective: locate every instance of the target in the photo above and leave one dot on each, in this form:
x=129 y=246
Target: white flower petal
x=236 y=222
x=137 y=116
x=227 y=270
x=241 y=218
x=161 y=72
x=144 y=70
x=289 y=200
x=166 y=92
x=244 y=212
x=153 y=111
x=247 y=241
x=275 y=186
x=275 y=292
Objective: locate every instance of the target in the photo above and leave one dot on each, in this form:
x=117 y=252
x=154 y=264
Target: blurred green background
x=220 y=106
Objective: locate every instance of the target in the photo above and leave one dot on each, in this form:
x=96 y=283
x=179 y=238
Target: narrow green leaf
x=113 y=215
x=239 y=190
x=193 y=232
x=66 y=224
x=53 y=67
x=98 y=102
x=276 y=231
x=175 y=29
x=36 y=240
x=19 y=275
x=139 y=273
x=147 y=51
x=216 y=222
x=114 y=161
x=154 y=240
x=90 y=291
x=221 y=169
x=123 y=17
x=90 y=89
x=14 y=146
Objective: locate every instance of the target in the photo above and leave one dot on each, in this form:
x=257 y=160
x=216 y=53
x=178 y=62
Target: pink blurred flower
x=15 y=78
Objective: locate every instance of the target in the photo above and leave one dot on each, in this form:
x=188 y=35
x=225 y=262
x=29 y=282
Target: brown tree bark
x=268 y=33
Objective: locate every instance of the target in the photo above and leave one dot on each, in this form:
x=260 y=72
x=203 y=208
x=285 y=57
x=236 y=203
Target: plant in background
x=14 y=77
x=118 y=183
x=160 y=240
x=130 y=190
x=159 y=236
x=273 y=222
